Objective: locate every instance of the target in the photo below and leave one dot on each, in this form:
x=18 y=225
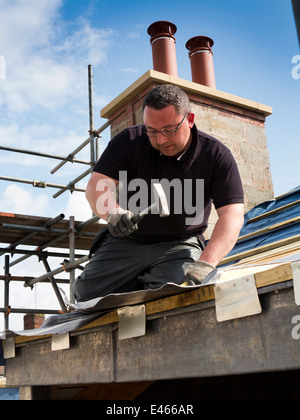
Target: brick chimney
x=33 y=321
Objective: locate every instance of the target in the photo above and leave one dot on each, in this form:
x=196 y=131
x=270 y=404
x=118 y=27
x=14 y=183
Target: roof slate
x=9 y=394
x=269 y=223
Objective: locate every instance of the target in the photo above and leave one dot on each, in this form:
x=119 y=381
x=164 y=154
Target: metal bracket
x=60 y=342
x=296 y=279
x=9 y=350
x=132 y=321
x=236 y=298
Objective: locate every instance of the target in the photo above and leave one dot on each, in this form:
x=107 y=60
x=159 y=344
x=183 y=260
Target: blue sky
x=48 y=44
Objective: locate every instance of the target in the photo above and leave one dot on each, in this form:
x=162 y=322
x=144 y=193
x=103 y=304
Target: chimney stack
x=33 y=321
x=163 y=47
x=201 y=57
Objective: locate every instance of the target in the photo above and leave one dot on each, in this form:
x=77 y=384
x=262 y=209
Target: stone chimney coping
x=153 y=76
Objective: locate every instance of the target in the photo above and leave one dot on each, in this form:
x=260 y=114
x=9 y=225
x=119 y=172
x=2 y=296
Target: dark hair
x=165 y=95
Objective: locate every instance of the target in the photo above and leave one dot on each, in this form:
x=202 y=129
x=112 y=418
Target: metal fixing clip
x=296 y=280
x=132 y=321
x=60 y=342
x=236 y=298
x=9 y=350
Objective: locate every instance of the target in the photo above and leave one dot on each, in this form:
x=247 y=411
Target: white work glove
x=119 y=223
x=197 y=272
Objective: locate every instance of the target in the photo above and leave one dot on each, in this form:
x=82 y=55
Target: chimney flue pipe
x=163 y=47
x=201 y=57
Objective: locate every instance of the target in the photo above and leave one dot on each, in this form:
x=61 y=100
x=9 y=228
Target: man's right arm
x=101 y=194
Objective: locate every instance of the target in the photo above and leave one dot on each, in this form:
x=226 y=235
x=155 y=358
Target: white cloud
x=17 y=199
x=44 y=107
x=44 y=57
x=26 y=24
x=78 y=206
x=134 y=35
x=87 y=42
x=44 y=138
x=130 y=70
x=2 y=68
x=8 y=132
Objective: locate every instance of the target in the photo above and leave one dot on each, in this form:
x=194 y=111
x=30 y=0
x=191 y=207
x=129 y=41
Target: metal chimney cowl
x=201 y=56
x=163 y=47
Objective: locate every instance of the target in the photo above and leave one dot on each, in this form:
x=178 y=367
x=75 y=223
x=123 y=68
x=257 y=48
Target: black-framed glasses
x=166 y=132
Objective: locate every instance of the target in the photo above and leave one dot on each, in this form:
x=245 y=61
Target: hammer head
x=161 y=201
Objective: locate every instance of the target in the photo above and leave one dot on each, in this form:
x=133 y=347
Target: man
x=169 y=149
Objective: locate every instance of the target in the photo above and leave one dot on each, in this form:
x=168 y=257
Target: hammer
x=160 y=202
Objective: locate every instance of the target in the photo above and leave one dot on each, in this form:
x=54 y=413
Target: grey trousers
x=123 y=265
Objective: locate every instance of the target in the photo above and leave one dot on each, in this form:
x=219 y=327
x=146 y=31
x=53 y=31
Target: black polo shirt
x=206 y=172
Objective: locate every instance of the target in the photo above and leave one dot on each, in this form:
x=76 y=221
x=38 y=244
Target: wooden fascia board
x=277 y=273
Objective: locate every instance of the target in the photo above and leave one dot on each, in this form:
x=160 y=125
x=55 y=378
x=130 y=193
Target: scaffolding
x=43 y=233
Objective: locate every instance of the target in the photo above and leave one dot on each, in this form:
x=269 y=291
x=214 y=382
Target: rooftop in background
x=9 y=394
x=271 y=231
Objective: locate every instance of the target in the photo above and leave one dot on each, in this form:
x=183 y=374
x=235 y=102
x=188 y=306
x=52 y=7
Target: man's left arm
x=223 y=239
x=225 y=233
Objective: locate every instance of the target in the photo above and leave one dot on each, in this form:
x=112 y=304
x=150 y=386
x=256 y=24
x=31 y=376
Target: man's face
x=168 y=118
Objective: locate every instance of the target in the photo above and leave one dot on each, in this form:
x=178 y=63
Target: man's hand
x=119 y=223
x=198 y=271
